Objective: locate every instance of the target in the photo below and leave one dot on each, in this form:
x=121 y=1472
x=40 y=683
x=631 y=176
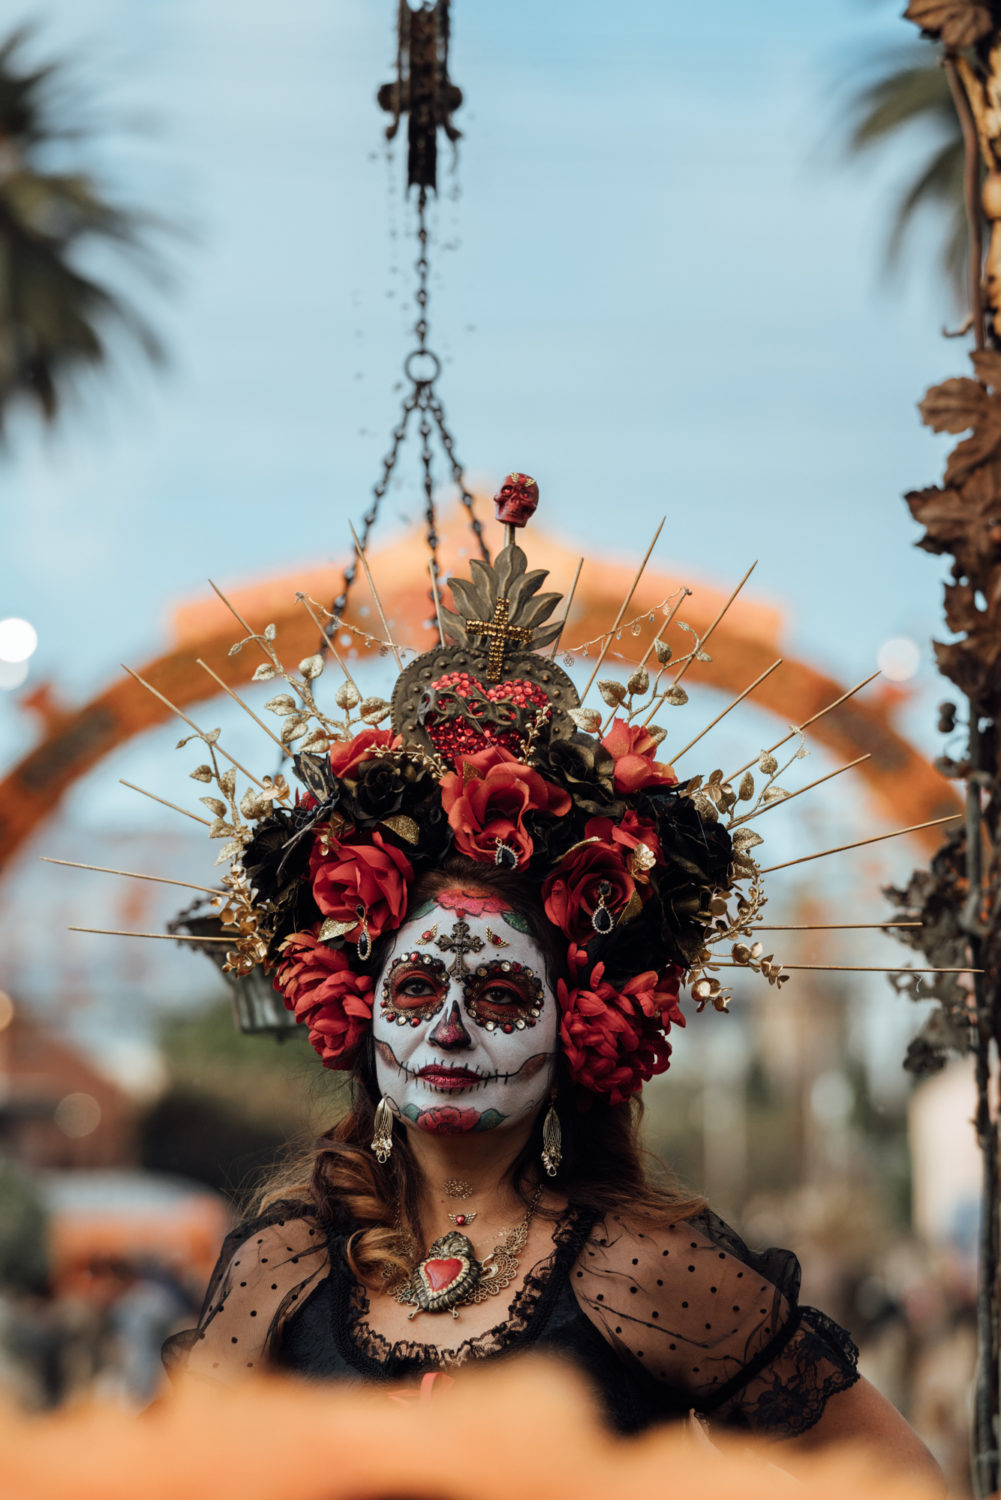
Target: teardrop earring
x=364 y=937
x=382 y=1140
x=552 y=1141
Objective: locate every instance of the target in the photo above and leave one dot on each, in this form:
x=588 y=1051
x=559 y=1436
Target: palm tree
x=55 y=316
x=908 y=97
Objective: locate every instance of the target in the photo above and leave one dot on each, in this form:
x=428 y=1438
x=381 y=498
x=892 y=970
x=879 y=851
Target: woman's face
x=464 y=1020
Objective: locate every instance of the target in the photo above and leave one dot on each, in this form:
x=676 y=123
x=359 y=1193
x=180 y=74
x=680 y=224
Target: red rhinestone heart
x=454 y=737
x=441 y=1273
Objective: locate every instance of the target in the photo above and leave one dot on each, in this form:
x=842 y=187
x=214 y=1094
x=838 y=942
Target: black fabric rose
x=584 y=768
x=277 y=864
x=376 y=790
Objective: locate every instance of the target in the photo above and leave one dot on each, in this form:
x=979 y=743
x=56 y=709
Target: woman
x=485 y=914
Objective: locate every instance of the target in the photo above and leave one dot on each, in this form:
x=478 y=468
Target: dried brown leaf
x=954 y=406
x=959 y=23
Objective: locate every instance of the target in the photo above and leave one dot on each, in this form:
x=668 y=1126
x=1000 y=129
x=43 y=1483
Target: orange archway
x=905 y=786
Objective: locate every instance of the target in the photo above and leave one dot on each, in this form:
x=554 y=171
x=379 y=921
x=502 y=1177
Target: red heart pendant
x=468 y=716
x=441 y=1273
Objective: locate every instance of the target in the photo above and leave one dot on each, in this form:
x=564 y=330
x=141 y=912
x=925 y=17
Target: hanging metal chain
x=421 y=368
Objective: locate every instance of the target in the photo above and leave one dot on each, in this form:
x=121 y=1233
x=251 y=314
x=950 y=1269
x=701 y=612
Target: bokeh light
x=18 y=639
x=12 y=674
x=899 y=658
x=77 y=1115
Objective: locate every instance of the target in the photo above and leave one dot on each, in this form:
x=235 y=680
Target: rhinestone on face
x=520 y=1025
x=505 y=965
x=490 y=1025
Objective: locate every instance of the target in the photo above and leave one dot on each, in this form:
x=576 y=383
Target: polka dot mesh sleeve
x=718 y=1323
x=266 y=1271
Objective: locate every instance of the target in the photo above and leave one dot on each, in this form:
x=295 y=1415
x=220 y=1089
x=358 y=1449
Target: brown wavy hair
x=604 y=1167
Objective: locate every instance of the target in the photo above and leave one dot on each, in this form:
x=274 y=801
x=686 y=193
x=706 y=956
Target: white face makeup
x=464 y=1020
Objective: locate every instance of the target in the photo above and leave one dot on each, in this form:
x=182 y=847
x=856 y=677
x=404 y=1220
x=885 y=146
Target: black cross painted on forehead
x=460 y=942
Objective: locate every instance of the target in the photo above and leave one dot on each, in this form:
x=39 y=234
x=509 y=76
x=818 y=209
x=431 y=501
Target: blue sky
x=657 y=288
x=664 y=298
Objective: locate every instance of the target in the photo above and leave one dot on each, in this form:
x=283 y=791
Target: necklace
x=450 y=1276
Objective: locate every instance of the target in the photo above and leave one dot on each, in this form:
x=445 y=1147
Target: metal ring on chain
x=433 y=360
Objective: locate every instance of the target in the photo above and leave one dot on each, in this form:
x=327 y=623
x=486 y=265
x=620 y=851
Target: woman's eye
x=415 y=988
x=500 y=994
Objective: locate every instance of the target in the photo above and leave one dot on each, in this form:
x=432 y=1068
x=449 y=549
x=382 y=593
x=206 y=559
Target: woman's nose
x=450 y=1034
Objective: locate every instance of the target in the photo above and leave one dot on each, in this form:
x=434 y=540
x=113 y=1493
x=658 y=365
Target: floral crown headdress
x=489 y=754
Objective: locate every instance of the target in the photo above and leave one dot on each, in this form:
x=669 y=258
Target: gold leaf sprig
x=227 y=822
x=304 y=724
x=770 y=792
x=731 y=927
x=237 y=909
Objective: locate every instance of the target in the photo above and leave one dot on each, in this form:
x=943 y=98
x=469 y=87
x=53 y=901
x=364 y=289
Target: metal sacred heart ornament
x=446 y=1276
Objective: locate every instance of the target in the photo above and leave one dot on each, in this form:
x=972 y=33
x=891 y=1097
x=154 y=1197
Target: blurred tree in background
x=906 y=98
x=235 y=1103
x=23 y=1236
x=56 y=218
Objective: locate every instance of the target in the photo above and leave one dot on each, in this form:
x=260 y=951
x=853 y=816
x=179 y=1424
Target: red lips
x=448 y=1078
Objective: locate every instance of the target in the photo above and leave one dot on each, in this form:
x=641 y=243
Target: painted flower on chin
x=487 y=798
x=363 y=884
x=319 y=986
x=446 y=1119
x=632 y=748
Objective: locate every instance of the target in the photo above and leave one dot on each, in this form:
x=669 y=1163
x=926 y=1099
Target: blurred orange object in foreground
x=524 y=1429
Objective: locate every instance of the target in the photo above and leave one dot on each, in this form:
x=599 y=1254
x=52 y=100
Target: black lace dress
x=660 y=1322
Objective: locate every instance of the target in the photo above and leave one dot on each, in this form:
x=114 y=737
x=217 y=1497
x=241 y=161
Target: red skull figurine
x=516 y=499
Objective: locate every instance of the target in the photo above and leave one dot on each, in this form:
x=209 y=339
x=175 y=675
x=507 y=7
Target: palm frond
x=55 y=316
x=903 y=99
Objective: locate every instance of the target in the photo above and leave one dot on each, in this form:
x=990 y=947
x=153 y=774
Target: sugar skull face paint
x=465 y=1022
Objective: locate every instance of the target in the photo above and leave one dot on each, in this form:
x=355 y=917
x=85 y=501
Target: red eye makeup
x=414 y=989
x=503 y=996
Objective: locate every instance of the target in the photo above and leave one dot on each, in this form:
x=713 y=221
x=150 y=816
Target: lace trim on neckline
x=523 y=1315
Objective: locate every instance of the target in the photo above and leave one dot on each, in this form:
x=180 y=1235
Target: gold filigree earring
x=552 y=1141
x=382 y=1140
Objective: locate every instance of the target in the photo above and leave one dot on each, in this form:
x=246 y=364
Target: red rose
x=614 y=1040
x=325 y=995
x=632 y=748
x=369 y=880
x=629 y=833
x=589 y=876
x=486 y=800
x=347 y=755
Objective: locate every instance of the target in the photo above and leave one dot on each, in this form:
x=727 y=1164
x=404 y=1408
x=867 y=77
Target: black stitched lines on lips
x=529 y=1067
